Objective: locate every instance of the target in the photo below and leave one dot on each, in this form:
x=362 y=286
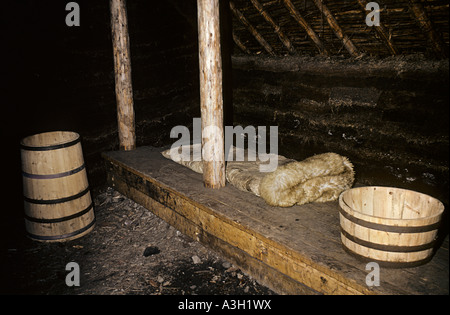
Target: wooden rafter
x=348 y=44
x=251 y=29
x=284 y=39
x=303 y=23
x=428 y=28
x=382 y=32
x=240 y=44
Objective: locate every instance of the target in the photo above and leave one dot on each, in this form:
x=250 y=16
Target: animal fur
x=319 y=178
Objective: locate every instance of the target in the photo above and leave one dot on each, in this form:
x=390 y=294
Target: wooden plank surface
x=293 y=250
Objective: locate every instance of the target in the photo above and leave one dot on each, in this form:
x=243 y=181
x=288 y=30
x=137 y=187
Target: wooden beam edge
x=264 y=274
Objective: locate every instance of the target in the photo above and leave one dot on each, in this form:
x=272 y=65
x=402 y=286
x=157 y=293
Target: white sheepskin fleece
x=319 y=178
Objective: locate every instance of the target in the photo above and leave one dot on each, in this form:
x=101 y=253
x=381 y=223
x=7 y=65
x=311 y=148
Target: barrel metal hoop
x=390 y=228
x=51 y=147
x=53 y=176
x=388 y=264
x=60 y=237
x=63 y=219
x=54 y=201
x=388 y=248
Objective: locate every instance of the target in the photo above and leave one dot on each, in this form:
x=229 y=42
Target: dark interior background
x=388 y=115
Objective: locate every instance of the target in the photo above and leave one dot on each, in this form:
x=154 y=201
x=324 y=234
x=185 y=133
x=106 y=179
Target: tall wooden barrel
x=394 y=227
x=57 y=200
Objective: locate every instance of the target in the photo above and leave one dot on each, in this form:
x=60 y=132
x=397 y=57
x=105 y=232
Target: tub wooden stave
x=395 y=227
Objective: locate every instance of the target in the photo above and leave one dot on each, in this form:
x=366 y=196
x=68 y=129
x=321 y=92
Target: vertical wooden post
x=122 y=71
x=211 y=98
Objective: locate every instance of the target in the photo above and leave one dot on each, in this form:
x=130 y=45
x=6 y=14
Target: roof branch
x=351 y=48
x=251 y=29
x=303 y=23
x=428 y=28
x=382 y=32
x=284 y=39
x=240 y=44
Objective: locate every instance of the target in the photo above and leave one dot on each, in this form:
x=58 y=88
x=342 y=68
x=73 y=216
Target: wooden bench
x=293 y=250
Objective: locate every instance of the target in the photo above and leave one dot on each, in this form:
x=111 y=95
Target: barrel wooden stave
x=54 y=189
x=57 y=201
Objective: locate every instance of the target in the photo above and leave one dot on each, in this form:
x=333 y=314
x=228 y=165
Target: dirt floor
x=129 y=252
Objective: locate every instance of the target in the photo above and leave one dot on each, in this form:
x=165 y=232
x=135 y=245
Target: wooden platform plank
x=293 y=250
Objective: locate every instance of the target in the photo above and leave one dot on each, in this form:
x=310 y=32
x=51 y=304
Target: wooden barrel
x=394 y=227
x=57 y=200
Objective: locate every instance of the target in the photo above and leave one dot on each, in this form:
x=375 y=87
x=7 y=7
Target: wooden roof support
x=311 y=33
x=427 y=27
x=251 y=29
x=211 y=94
x=351 y=48
x=284 y=39
x=382 y=32
x=240 y=44
x=122 y=72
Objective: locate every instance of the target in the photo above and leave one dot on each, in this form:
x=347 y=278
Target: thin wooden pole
x=351 y=48
x=240 y=44
x=311 y=33
x=251 y=29
x=211 y=94
x=382 y=32
x=284 y=39
x=428 y=28
x=122 y=72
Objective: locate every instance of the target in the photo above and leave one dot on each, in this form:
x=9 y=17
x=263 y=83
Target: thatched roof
x=334 y=27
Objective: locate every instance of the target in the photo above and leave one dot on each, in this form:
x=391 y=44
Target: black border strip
x=52 y=176
x=388 y=248
x=61 y=200
x=51 y=147
x=59 y=237
x=58 y=220
x=390 y=228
